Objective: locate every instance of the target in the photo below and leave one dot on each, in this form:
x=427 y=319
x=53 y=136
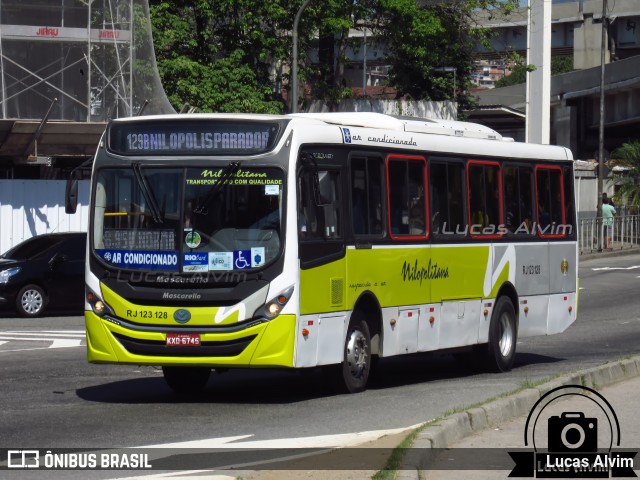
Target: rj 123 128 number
x=146 y=314
x=531 y=269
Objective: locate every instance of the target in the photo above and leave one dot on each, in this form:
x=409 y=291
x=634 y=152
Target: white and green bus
x=323 y=240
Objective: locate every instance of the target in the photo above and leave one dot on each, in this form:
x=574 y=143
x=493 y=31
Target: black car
x=43 y=272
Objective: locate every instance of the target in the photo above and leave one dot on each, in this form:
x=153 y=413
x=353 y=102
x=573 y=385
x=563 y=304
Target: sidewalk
x=509 y=435
x=500 y=425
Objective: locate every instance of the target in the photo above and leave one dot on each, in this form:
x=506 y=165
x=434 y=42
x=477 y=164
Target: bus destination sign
x=192 y=137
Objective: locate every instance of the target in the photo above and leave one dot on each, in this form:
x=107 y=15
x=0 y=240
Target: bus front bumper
x=267 y=344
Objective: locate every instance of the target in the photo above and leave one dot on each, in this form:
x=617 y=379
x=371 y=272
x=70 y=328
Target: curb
x=457 y=426
x=614 y=253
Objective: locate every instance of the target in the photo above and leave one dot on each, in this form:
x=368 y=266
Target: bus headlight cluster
x=97 y=305
x=273 y=307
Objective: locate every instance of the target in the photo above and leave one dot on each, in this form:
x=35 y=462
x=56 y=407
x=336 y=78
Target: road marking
x=322 y=441
x=49 y=336
x=65 y=343
x=57 y=339
x=81 y=332
x=634 y=267
x=325 y=443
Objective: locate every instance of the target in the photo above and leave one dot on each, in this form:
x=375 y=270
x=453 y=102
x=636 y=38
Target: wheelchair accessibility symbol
x=241 y=259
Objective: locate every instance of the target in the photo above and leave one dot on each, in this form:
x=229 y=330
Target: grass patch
x=397 y=455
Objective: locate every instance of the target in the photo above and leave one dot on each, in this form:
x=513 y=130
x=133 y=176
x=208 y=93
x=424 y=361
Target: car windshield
x=31 y=248
x=203 y=219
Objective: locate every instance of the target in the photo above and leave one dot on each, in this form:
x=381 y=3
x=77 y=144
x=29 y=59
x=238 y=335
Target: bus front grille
x=229 y=348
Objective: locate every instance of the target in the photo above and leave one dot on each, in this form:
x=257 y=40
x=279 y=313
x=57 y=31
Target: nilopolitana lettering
x=418 y=273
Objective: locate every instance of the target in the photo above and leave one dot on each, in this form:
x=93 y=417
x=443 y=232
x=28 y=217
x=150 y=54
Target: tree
x=559 y=64
x=419 y=38
x=517 y=76
x=424 y=38
x=222 y=85
x=207 y=45
x=628 y=155
x=221 y=62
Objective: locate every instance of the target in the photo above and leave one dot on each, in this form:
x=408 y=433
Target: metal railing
x=623 y=234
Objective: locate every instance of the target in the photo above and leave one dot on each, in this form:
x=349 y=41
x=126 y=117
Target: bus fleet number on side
x=531 y=269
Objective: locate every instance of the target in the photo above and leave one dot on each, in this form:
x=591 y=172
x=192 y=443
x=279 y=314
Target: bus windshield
x=188 y=220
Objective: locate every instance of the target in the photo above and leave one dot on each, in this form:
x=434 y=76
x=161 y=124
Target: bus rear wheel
x=356 y=364
x=503 y=334
x=186 y=379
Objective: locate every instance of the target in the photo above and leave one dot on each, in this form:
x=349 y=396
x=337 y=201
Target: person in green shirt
x=608 y=211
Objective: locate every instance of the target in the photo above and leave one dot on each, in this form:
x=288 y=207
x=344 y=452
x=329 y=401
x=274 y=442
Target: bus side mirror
x=71 y=194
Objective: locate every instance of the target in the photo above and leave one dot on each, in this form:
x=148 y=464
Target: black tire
x=186 y=379
x=356 y=364
x=503 y=336
x=31 y=301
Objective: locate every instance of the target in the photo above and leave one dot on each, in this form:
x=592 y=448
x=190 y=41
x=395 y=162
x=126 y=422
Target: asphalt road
x=52 y=398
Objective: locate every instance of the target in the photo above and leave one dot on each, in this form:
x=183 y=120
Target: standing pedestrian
x=608 y=211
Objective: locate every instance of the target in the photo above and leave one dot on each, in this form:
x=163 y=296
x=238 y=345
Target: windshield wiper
x=147 y=193
x=228 y=172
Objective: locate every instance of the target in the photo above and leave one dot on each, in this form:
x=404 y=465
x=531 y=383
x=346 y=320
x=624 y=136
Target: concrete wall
x=587 y=41
x=33 y=207
x=587 y=193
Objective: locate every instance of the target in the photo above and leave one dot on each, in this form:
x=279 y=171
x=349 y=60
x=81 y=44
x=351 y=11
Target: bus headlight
x=273 y=307
x=97 y=305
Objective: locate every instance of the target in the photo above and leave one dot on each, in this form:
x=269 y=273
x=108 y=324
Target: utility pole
x=294 y=59
x=603 y=47
x=364 y=62
x=539 y=80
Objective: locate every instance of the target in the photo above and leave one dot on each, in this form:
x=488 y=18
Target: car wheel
x=30 y=301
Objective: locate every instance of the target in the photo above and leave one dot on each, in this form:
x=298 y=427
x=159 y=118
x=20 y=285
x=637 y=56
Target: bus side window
x=407 y=203
x=446 y=187
x=569 y=200
x=551 y=213
x=518 y=198
x=366 y=197
x=485 y=198
x=319 y=207
x=329 y=185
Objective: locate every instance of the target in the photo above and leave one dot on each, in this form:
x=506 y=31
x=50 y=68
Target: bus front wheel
x=503 y=334
x=356 y=363
x=186 y=379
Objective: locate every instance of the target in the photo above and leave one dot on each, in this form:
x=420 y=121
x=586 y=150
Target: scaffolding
x=77 y=60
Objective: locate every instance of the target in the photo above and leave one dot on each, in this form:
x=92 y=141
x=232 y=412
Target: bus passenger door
x=321 y=251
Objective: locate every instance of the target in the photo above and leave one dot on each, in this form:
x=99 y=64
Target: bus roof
x=406 y=124
x=438 y=132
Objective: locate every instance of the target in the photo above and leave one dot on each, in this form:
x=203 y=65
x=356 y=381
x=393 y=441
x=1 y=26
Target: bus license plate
x=183 y=339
